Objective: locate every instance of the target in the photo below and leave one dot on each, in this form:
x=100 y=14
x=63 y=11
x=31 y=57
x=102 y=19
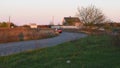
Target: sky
x=43 y=12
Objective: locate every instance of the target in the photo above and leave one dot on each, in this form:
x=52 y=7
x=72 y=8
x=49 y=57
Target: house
x=72 y=21
x=33 y=25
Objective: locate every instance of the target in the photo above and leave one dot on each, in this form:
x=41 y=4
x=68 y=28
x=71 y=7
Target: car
x=58 y=30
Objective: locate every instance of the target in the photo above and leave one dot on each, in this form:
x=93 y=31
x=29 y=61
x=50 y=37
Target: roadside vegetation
x=23 y=34
x=91 y=52
x=100 y=49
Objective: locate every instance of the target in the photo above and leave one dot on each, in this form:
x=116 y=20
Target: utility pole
x=9 y=22
x=53 y=20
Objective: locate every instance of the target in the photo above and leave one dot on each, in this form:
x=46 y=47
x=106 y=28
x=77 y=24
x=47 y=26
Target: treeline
x=6 y=24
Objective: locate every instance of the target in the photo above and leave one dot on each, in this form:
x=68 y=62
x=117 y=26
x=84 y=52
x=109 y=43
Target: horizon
x=42 y=12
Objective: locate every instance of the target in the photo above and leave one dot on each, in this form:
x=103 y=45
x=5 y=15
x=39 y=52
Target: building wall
x=66 y=27
x=33 y=26
x=78 y=24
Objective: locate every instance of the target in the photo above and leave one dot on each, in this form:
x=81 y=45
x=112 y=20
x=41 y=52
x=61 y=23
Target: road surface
x=16 y=47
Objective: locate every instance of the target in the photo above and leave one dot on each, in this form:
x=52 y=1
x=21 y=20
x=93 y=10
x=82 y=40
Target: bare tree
x=90 y=15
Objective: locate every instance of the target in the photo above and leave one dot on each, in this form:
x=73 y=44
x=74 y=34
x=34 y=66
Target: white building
x=33 y=25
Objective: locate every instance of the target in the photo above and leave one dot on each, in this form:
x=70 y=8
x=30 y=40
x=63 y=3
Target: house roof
x=72 y=19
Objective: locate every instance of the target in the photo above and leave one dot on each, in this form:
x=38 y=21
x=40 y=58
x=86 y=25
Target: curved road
x=16 y=47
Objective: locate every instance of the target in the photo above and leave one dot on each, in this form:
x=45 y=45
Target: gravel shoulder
x=16 y=47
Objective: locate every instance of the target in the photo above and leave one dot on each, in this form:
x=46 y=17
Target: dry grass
x=22 y=34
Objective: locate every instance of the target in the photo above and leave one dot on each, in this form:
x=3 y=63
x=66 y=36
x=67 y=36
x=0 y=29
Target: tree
x=6 y=24
x=90 y=15
x=27 y=26
x=3 y=24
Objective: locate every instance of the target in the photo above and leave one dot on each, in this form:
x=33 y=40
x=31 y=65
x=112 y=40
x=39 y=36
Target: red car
x=59 y=30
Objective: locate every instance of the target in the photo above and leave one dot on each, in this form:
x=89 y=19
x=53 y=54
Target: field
x=22 y=34
x=90 y=52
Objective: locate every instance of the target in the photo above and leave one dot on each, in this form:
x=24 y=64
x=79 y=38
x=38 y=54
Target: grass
x=24 y=34
x=89 y=52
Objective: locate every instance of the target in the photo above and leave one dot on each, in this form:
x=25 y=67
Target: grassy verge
x=24 y=34
x=89 y=52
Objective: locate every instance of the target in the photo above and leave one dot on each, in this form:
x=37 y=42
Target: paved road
x=16 y=47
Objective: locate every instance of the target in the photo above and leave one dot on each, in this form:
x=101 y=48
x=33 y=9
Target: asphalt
x=17 y=47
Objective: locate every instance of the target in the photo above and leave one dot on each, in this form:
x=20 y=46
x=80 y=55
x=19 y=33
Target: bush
x=115 y=39
x=22 y=34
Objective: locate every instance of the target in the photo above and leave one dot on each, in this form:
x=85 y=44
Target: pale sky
x=41 y=11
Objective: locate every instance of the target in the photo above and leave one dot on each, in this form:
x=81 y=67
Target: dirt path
x=16 y=47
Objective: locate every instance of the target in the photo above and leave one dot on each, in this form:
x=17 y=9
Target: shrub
x=21 y=34
x=115 y=38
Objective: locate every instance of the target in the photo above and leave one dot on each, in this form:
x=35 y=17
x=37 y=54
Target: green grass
x=89 y=52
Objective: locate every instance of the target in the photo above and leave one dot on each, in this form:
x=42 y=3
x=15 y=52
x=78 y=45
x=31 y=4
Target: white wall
x=66 y=27
x=69 y=27
x=55 y=27
x=33 y=26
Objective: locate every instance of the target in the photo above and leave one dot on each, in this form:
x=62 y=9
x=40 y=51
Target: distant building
x=56 y=26
x=72 y=21
x=33 y=25
x=43 y=26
